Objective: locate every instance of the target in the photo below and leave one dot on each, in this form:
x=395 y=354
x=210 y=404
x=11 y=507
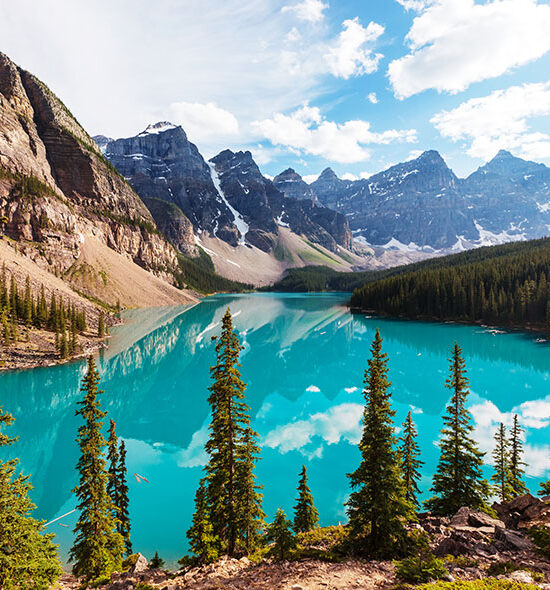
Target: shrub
x=541 y=538
x=323 y=543
x=420 y=568
x=486 y=584
x=503 y=567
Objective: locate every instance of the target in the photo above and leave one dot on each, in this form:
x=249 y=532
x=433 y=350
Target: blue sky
x=353 y=84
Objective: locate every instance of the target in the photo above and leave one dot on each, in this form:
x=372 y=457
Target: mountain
x=292 y=185
x=422 y=205
x=68 y=209
x=237 y=215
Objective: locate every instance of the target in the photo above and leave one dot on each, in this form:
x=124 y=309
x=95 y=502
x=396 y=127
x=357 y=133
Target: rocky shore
x=474 y=546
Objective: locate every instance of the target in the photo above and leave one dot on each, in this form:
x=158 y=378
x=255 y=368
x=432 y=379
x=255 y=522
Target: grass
x=486 y=584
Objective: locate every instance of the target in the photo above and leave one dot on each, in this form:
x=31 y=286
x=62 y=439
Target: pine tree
x=156 y=562
x=124 y=525
x=410 y=462
x=202 y=540
x=377 y=507
x=544 y=488
x=117 y=486
x=458 y=480
x=98 y=547
x=501 y=476
x=28 y=557
x=232 y=450
x=250 y=513
x=101 y=326
x=306 y=516
x=517 y=485
x=279 y=532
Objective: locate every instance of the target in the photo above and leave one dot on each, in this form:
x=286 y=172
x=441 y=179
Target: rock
x=461 y=518
x=520 y=576
x=141 y=565
x=512 y=539
x=480 y=519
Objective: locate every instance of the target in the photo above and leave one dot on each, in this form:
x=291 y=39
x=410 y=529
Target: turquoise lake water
x=303 y=361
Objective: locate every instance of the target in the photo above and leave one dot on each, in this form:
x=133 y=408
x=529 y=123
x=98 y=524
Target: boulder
x=512 y=539
x=141 y=565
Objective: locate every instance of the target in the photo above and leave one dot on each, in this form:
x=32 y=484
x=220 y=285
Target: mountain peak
x=159 y=127
x=503 y=154
x=432 y=157
x=327 y=173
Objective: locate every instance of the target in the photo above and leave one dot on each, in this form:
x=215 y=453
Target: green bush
x=541 y=538
x=486 y=584
x=461 y=561
x=503 y=567
x=322 y=543
x=420 y=568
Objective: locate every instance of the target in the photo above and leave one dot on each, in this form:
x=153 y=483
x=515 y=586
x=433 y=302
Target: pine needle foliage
x=377 y=507
x=516 y=462
x=306 y=516
x=28 y=557
x=458 y=480
x=501 y=460
x=98 y=547
x=233 y=497
x=279 y=532
x=410 y=462
x=202 y=541
x=117 y=486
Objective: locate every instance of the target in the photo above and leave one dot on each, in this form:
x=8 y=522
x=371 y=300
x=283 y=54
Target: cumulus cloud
x=454 y=43
x=341 y=422
x=309 y=10
x=351 y=54
x=204 y=121
x=371 y=97
x=500 y=121
x=313 y=389
x=195 y=455
x=307 y=131
x=309 y=178
x=416 y=5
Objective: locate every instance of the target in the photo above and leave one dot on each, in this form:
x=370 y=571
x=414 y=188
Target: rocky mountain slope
x=62 y=202
x=250 y=228
x=422 y=205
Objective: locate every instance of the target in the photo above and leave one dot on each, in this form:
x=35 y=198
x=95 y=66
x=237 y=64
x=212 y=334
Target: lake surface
x=303 y=361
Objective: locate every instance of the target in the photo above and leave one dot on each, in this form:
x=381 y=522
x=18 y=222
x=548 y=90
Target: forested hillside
x=507 y=285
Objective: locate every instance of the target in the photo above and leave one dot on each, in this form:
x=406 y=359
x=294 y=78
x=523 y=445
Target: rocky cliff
x=422 y=205
x=227 y=198
x=57 y=190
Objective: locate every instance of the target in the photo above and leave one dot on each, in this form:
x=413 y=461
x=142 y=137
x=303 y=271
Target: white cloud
x=313 y=389
x=342 y=422
x=308 y=10
x=416 y=5
x=309 y=178
x=309 y=132
x=371 y=97
x=500 y=121
x=195 y=455
x=454 y=43
x=204 y=121
x=348 y=55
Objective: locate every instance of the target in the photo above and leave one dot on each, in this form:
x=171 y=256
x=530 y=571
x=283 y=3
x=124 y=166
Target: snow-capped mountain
x=227 y=198
x=422 y=205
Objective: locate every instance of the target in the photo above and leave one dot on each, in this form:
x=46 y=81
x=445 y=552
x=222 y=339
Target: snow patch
x=240 y=223
x=157 y=128
x=489 y=238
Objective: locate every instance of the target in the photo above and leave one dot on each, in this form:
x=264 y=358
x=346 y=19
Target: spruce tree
x=124 y=526
x=98 y=547
x=544 y=488
x=28 y=557
x=458 y=480
x=117 y=486
x=377 y=507
x=279 y=532
x=501 y=476
x=306 y=516
x=101 y=325
x=250 y=513
x=410 y=462
x=517 y=485
x=156 y=562
x=232 y=451
x=202 y=540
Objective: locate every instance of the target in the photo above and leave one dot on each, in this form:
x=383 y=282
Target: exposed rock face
x=228 y=197
x=292 y=185
x=422 y=204
x=264 y=207
x=55 y=185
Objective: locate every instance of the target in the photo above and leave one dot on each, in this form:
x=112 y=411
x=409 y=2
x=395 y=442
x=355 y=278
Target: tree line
x=228 y=518
x=509 y=286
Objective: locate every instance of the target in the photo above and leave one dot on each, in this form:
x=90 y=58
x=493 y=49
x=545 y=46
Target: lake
x=303 y=360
